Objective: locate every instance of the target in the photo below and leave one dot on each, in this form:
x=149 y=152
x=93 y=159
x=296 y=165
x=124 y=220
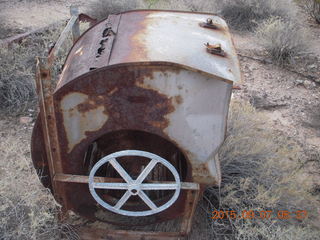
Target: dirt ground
x=290 y=97
x=292 y=100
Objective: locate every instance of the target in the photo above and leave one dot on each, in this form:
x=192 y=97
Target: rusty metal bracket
x=44 y=86
x=73 y=27
x=74 y=11
x=69 y=178
x=85 y=18
x=215 y=49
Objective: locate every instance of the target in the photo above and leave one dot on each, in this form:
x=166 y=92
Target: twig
x=312 y=78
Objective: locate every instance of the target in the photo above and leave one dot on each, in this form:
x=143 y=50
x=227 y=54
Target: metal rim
x=134 y=187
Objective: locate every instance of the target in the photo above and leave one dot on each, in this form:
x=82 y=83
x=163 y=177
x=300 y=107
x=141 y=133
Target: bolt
x=215 y=49
x=209 y=21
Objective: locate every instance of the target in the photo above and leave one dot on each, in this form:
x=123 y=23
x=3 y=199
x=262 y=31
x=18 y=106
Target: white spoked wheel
x=134 y=187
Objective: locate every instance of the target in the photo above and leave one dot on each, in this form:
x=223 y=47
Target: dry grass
x=101 y=9
x=185 y=5
x=313 y=8
x=282 y=39
x=17 y=70
x=261 y=170
x=17 y=89
x=6 y=30
x=245 y=15
x=27 y=210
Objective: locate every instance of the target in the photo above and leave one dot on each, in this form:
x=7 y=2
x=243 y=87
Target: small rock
x=312 y=66
x=25 y=120
x=251 y=68
x=288 y=97
x=309 y=84
x=299 y=81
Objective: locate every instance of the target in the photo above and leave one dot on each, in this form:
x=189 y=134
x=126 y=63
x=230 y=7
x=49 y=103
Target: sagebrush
x=100 y=9
x=245 y=15
x=17 y=88
x=185 y=5
x=261 y=170
x=17 y=69
x=282 y=39
x=313 y=8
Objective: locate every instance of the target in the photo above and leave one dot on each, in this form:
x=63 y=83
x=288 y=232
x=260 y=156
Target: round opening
x=133 y=165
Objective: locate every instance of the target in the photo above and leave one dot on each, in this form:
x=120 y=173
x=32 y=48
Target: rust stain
x=178 y=99
x=81 y=114
x=113 y=91
x=136 y=45
x=106 y=104
x=129 y=106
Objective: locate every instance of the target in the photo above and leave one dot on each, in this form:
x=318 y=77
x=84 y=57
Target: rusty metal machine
x=131 y=132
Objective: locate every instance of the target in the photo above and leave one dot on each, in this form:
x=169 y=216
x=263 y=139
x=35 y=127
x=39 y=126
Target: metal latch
x=208 y=24
x=215 y=49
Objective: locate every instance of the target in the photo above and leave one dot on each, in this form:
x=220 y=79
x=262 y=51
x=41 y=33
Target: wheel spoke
x=158 y=186
x=133 y=186
x=147 y=200
x=123 y=173
x=119 y=186
x=146 y=171
x=122 y=200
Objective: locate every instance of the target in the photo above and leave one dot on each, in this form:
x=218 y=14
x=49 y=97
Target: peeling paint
x=77 y=123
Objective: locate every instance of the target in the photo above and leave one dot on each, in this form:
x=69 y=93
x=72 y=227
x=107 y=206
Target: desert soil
x=291 y=100
x=289 y=97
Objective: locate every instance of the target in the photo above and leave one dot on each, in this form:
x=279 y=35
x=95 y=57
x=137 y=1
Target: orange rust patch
x=137 y=36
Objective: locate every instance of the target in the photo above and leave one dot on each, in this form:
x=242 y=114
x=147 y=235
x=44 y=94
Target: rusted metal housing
x=145 y=80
